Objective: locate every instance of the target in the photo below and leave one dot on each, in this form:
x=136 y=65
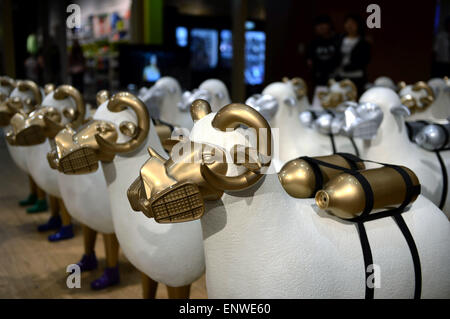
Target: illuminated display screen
x=204 y=47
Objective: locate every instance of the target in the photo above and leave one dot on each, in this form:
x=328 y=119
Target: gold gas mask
x=175 y=190
x=417 y=104
x=332 y=99
x=78 y=152
x=46 y=121
x=12 y=105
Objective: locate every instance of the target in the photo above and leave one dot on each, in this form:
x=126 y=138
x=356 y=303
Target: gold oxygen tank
x=298 y=177
x=344 y=196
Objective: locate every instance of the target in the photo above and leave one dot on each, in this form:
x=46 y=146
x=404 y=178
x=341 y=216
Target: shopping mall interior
x=98 y=99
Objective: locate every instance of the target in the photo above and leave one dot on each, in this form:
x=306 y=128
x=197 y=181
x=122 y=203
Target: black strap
x=411 y=191
x=444 y=180
x=333 y=144
x=317 y=172
x=159 y=122
x=414 y=253
x=354 y=146
x=367 y=254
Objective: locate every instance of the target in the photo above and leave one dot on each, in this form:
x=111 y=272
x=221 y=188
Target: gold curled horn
x=331 y=82
x=285 y=79
x=65 y=91
x=118 y=103
x=353 y=93
x=427 y=100
x=25 y=85
x=302 y=87
x=48 y=88
x=102 y=96
x=7 y=81
x=199 y=109
x=401 y=85
x=232 y=116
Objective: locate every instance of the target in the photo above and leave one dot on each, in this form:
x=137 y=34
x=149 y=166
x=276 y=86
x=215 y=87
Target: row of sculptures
x=273 y=198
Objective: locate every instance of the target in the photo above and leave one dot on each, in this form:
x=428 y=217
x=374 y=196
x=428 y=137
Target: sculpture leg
x=66 y=230
x=89 y=260
x=54 y=221
x=179 y=292
x=32 y=196
x=149 y=287
x=41 y=203
x=110 y=276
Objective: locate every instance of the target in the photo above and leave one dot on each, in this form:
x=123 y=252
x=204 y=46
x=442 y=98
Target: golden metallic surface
x=75 y=116
x=118 y=103
x=298 y=179
x=427 y=100
x=174 y=191
x=7 y=81
x=199 y=109
x=353 y=93
x=401 y=85
x=48 y=88
x=231 y=117
x=343 y=195
x=78 y=152
x=12 y=105
x=301 y=89
x=46 y=122
x=25 y=85
x=411 y=102
x=128 y=129
x=333 y=99
x=102 y=97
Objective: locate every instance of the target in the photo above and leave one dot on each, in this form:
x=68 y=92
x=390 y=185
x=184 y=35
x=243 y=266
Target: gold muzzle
x=78 y=152
x=178 y=203
x=80 y=161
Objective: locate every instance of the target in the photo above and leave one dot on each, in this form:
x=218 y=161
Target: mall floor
x=32 y=267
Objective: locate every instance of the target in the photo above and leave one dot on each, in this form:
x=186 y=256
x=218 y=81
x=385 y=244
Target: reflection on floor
x=31 y=267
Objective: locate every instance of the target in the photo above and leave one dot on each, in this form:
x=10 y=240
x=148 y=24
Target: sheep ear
x=220 y=95
x=290 y=101
x=400 y=110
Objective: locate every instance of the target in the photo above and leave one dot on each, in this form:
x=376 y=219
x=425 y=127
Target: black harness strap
x=395 y=213
x=444 y=180
x=333 y=144
x=354 y=146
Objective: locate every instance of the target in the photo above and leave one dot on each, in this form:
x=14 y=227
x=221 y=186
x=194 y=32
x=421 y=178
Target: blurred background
x=126 y=44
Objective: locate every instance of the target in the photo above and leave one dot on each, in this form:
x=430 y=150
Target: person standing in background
x=323 y=52
x=355 y=53
x=441 y=51
x=77 y=66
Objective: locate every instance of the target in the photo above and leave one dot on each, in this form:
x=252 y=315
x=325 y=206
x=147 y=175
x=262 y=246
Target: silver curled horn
x=265 y=104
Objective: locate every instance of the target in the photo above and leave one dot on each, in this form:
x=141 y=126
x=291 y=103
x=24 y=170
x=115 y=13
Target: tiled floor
x=32 y=267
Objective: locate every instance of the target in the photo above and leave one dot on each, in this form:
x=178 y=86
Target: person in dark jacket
x=323 y=51
x=355 y=53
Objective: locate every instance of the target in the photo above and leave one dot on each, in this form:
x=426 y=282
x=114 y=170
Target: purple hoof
x=109 y=278
x=88 y=262
x=65 y=232
x=53 y=223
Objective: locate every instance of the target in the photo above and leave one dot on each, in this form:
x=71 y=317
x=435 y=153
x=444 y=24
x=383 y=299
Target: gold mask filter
x=78 y=152
x=176 y=189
